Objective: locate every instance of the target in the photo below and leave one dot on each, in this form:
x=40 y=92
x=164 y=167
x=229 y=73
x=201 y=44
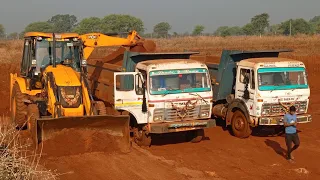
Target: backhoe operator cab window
x=65 y=51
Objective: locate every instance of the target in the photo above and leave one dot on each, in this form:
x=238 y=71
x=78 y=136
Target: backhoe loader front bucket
x=108 y=127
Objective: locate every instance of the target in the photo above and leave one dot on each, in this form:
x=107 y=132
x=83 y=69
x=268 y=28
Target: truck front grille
x=270 y=109
x=171 y=114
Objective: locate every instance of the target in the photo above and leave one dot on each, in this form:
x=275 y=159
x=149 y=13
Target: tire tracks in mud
x=187 y=172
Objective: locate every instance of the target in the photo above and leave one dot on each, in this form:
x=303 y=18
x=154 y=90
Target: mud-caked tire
x=101 y=108
x=195 y=136
x=141 y=138
x=240 y=126
x=33 y=115
x=18 y=107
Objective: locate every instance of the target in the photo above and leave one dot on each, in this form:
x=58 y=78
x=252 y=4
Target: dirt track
x=219 y=156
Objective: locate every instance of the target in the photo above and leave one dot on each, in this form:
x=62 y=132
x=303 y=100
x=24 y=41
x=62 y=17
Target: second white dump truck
x=256 y=88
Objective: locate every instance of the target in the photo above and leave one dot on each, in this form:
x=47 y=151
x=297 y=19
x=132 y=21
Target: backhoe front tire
x=33 y=115
x=18 y=107
x=240 y=126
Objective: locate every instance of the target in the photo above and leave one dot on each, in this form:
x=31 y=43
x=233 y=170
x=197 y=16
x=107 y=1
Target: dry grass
x=11 y=51
x=302 y=45
x=16 y=161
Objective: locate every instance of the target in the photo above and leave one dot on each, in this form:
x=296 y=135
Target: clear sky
x=183 y=15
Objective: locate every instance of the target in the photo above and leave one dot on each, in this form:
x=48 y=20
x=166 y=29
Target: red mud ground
x=219 y=156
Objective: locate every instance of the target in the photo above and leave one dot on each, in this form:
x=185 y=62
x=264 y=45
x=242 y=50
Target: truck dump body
x=101 y=71
x=225 y=72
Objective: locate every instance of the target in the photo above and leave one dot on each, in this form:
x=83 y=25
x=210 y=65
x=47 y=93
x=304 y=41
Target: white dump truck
x=256 y=88
x=162 y=93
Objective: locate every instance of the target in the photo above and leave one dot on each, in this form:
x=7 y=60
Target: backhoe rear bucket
x=111 y=127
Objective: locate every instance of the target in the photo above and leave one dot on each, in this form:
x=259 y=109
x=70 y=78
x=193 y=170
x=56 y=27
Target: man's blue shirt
x=290 y=119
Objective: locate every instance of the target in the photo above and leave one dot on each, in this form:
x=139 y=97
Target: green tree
x=221 y=30
x=13 y=35
x=39 y=26
x=315 y=19
x=298 y=26
x=235 y=31
x=198 y=29
x=229 y=31
x=275 y=29
x=2 y=31
x=63 y=22
x=248 y=29
x=21 y=35
x=162 y=29
x=315 y=24
x=260 y=23
x=91 y=24
x=121 y=23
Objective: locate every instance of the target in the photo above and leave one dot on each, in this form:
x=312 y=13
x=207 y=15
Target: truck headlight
x=204 y=114
x=265 y=110
x=157 y=118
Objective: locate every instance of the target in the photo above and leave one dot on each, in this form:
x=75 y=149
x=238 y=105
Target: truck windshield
x=282 y=78
x=179 y=81
x=64 y=50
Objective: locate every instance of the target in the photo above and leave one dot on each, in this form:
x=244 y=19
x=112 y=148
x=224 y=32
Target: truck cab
x=273 y=85
x=166 y=94
x=256 y=88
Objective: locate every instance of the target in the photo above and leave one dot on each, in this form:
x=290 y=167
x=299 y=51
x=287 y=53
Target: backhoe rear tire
x=18 y=107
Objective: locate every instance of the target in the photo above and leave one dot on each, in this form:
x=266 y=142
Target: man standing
x=290 y=123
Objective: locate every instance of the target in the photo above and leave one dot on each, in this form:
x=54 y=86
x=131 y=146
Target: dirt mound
x=75 y=141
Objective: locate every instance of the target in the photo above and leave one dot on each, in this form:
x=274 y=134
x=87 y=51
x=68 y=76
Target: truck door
x=246 y=81
x=128 y=94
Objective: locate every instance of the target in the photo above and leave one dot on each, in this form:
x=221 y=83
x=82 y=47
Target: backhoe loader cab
x=38 y=54
x=51 y=93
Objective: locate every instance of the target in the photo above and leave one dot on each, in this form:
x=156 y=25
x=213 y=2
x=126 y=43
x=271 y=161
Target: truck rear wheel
x=18 y=107
x=195 y=135
x=240 y=125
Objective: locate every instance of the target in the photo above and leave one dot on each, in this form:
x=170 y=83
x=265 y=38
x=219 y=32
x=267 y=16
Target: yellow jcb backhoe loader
x=51 y=92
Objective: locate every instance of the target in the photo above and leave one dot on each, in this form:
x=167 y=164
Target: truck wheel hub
x=239 y=123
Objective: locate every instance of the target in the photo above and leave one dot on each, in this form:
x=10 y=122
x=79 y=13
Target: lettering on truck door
x=246 y=81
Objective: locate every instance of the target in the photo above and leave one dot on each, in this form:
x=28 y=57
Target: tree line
x=258 y=25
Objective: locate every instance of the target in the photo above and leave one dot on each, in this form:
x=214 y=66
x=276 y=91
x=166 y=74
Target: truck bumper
x=178 y=126
x=278 y=120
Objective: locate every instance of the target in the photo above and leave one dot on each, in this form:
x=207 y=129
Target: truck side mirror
x=246 y=93
x=144 y=100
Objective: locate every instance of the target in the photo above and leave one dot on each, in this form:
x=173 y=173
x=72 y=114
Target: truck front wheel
x=240 y=126
x=141 y=138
